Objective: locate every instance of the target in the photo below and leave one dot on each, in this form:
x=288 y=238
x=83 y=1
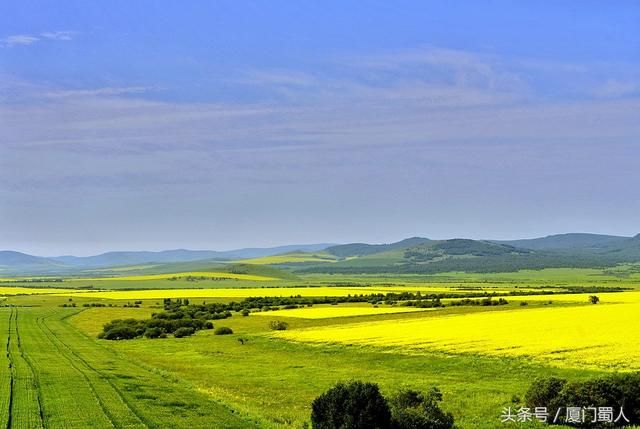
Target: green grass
x=62 y=376
x=626 y=275
x=275 y=381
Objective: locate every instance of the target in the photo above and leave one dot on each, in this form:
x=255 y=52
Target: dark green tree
x=356 y=405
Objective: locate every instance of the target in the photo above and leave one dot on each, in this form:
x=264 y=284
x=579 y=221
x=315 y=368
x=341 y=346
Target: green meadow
x=57 y=373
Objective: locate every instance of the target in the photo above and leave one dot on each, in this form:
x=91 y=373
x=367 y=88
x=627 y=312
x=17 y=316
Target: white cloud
x=58 y=35
x=30 y=39
x=19 y=40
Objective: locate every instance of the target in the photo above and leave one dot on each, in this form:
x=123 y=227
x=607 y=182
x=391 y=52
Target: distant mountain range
x=12 y=262
x=411 y=255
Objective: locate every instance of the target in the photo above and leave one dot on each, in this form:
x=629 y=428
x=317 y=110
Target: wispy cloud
x=19 y=40
x=104 y=91
x=30 y=39
x=454 y=99
x=436 y=133
x=58 y=35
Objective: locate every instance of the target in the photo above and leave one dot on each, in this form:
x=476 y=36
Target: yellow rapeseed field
x=32 y=291
x=291 y=258
x=338 y=311
x=207 y=274
x=599 y=336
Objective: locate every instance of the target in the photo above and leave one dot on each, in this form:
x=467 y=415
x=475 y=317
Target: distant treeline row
x=265 y=303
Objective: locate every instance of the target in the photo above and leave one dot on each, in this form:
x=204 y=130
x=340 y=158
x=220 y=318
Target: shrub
x=208 y=325
x=223 y=330
x=413 y=410
x=617 y=391
x=185 y=331
x=153 y=332
x=278 y=325
x=356 y=405
x=594 y=299
x=121 y=332
x=245 y=312
x=545 y=392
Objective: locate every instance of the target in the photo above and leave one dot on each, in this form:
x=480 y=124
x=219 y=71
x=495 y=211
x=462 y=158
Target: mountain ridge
x=410 y=255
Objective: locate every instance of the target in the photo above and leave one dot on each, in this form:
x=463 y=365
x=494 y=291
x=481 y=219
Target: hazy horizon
x=227 y=125
x=161 y=249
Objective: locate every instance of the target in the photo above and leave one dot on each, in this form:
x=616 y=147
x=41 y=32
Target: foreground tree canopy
x=360 y=405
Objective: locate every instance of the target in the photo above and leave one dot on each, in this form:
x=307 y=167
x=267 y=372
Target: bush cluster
x=179 y=318
x=485 y=302
x=278 y=325
x=359 y=405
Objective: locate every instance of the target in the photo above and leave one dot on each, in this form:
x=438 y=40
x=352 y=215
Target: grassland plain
x=121 y=278
x=275 y=380
x=268 y=381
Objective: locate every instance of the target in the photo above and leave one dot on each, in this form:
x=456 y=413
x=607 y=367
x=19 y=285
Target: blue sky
x=161 y=124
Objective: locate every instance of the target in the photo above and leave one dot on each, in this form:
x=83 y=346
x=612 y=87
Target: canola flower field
x=602 y=336
x=207 y=274
x=289 y=258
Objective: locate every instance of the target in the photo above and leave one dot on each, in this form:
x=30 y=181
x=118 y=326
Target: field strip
x=6 y=373
x=26 y=402
x=342 y=311
x=8 y=422
x=19 y=290
x=156 y=385
x=65 y=392
x=123 y=415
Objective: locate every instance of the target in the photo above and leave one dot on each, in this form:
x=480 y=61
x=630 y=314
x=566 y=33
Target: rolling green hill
x=433 y=256
x=362 y=249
